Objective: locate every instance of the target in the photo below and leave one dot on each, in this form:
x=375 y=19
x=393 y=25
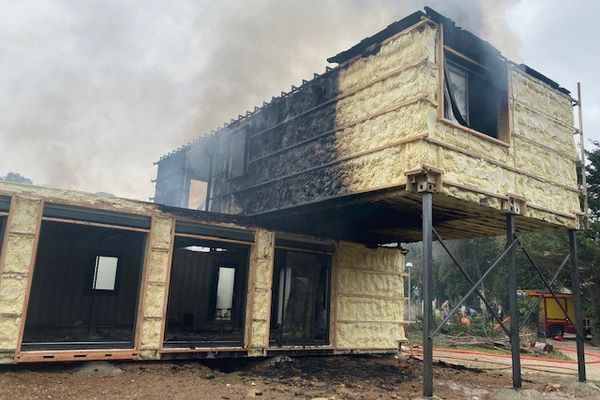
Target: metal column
x=515 y=345
x=427 y=296
x=577 y=300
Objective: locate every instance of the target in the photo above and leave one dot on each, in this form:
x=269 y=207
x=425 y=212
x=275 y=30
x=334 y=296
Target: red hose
x=563 y=348
x=480 y=353
x=548 y=369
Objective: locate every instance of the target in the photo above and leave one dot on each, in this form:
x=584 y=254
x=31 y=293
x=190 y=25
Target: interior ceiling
x=390 y=218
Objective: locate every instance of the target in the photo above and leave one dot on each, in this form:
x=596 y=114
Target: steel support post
x=577 y=300
x=427 y=296
x=409 y=293
x=515 y=345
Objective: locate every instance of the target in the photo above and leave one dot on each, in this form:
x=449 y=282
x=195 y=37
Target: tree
x=589 y=244
x=593 y=180
x=16 y=178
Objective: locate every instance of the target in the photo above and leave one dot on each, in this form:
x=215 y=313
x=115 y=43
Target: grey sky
x=92 y=92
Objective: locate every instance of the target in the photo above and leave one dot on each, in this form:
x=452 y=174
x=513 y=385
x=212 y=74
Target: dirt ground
x=333 y=377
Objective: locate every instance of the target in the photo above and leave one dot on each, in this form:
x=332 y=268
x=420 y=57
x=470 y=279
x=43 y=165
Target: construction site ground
x=330 y=377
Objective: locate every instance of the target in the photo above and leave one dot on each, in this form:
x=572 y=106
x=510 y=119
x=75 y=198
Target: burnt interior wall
x=270 y=154
x=326 y=137
x=172 y=181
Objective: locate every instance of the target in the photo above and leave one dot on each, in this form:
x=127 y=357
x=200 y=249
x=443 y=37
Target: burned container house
x=420 y=124
x=422 y=130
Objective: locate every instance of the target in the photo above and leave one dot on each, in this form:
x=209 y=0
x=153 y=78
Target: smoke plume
x=93 y=92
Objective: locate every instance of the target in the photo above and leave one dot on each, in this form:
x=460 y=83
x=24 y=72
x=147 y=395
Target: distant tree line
x=16 y=178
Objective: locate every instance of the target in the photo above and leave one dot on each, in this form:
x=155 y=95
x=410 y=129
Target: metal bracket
x=515 y=204
x=426 y=179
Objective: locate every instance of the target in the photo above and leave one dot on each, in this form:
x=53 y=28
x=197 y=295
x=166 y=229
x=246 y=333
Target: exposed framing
x=270 y=293
x=148 y=248
x=251 y=287
x=31 y=269
x=163 y=324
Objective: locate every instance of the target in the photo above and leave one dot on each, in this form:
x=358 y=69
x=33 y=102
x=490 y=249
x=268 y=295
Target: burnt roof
x=454 y=36
x=377 y=38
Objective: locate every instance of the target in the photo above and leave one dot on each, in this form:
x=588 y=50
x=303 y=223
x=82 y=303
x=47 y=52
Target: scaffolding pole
x=584 y=189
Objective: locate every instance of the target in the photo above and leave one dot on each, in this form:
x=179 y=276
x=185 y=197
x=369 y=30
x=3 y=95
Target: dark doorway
x=85 y=287
x=300 y=305
x=207 y=293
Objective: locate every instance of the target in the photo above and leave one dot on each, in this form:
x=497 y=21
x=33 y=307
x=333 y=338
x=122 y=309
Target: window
x=105 y=273
x=226 y=280
x=476 y=94
x=197 y=194
x=456 y=79
x=300 y=306
x=237 y=155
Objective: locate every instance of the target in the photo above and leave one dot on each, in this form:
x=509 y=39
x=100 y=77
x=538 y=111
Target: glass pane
x=105 y=273
x=457 y=80
x=300 y=306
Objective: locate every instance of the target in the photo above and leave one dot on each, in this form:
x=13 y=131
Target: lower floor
x=84 y=277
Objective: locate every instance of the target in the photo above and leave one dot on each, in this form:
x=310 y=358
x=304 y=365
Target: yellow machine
x=555 y=320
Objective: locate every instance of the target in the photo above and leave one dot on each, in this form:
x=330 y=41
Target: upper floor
x=423 y=96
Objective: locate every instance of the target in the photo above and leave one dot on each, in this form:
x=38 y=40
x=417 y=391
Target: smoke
x=260 y=50
x=94 y=91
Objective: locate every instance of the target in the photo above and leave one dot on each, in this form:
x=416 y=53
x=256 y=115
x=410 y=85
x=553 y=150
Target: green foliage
x=589 y=244
x=16 y=178
x=593 y=180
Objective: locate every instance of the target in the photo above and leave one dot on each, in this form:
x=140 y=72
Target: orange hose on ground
x=490 y=362
x=563 y=348
x=549 y=369
x=480 y=353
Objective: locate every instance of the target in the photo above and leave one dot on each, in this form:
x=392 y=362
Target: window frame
x=504 y=116
x=458 y=70
x=115 y=290
x=229 y=162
